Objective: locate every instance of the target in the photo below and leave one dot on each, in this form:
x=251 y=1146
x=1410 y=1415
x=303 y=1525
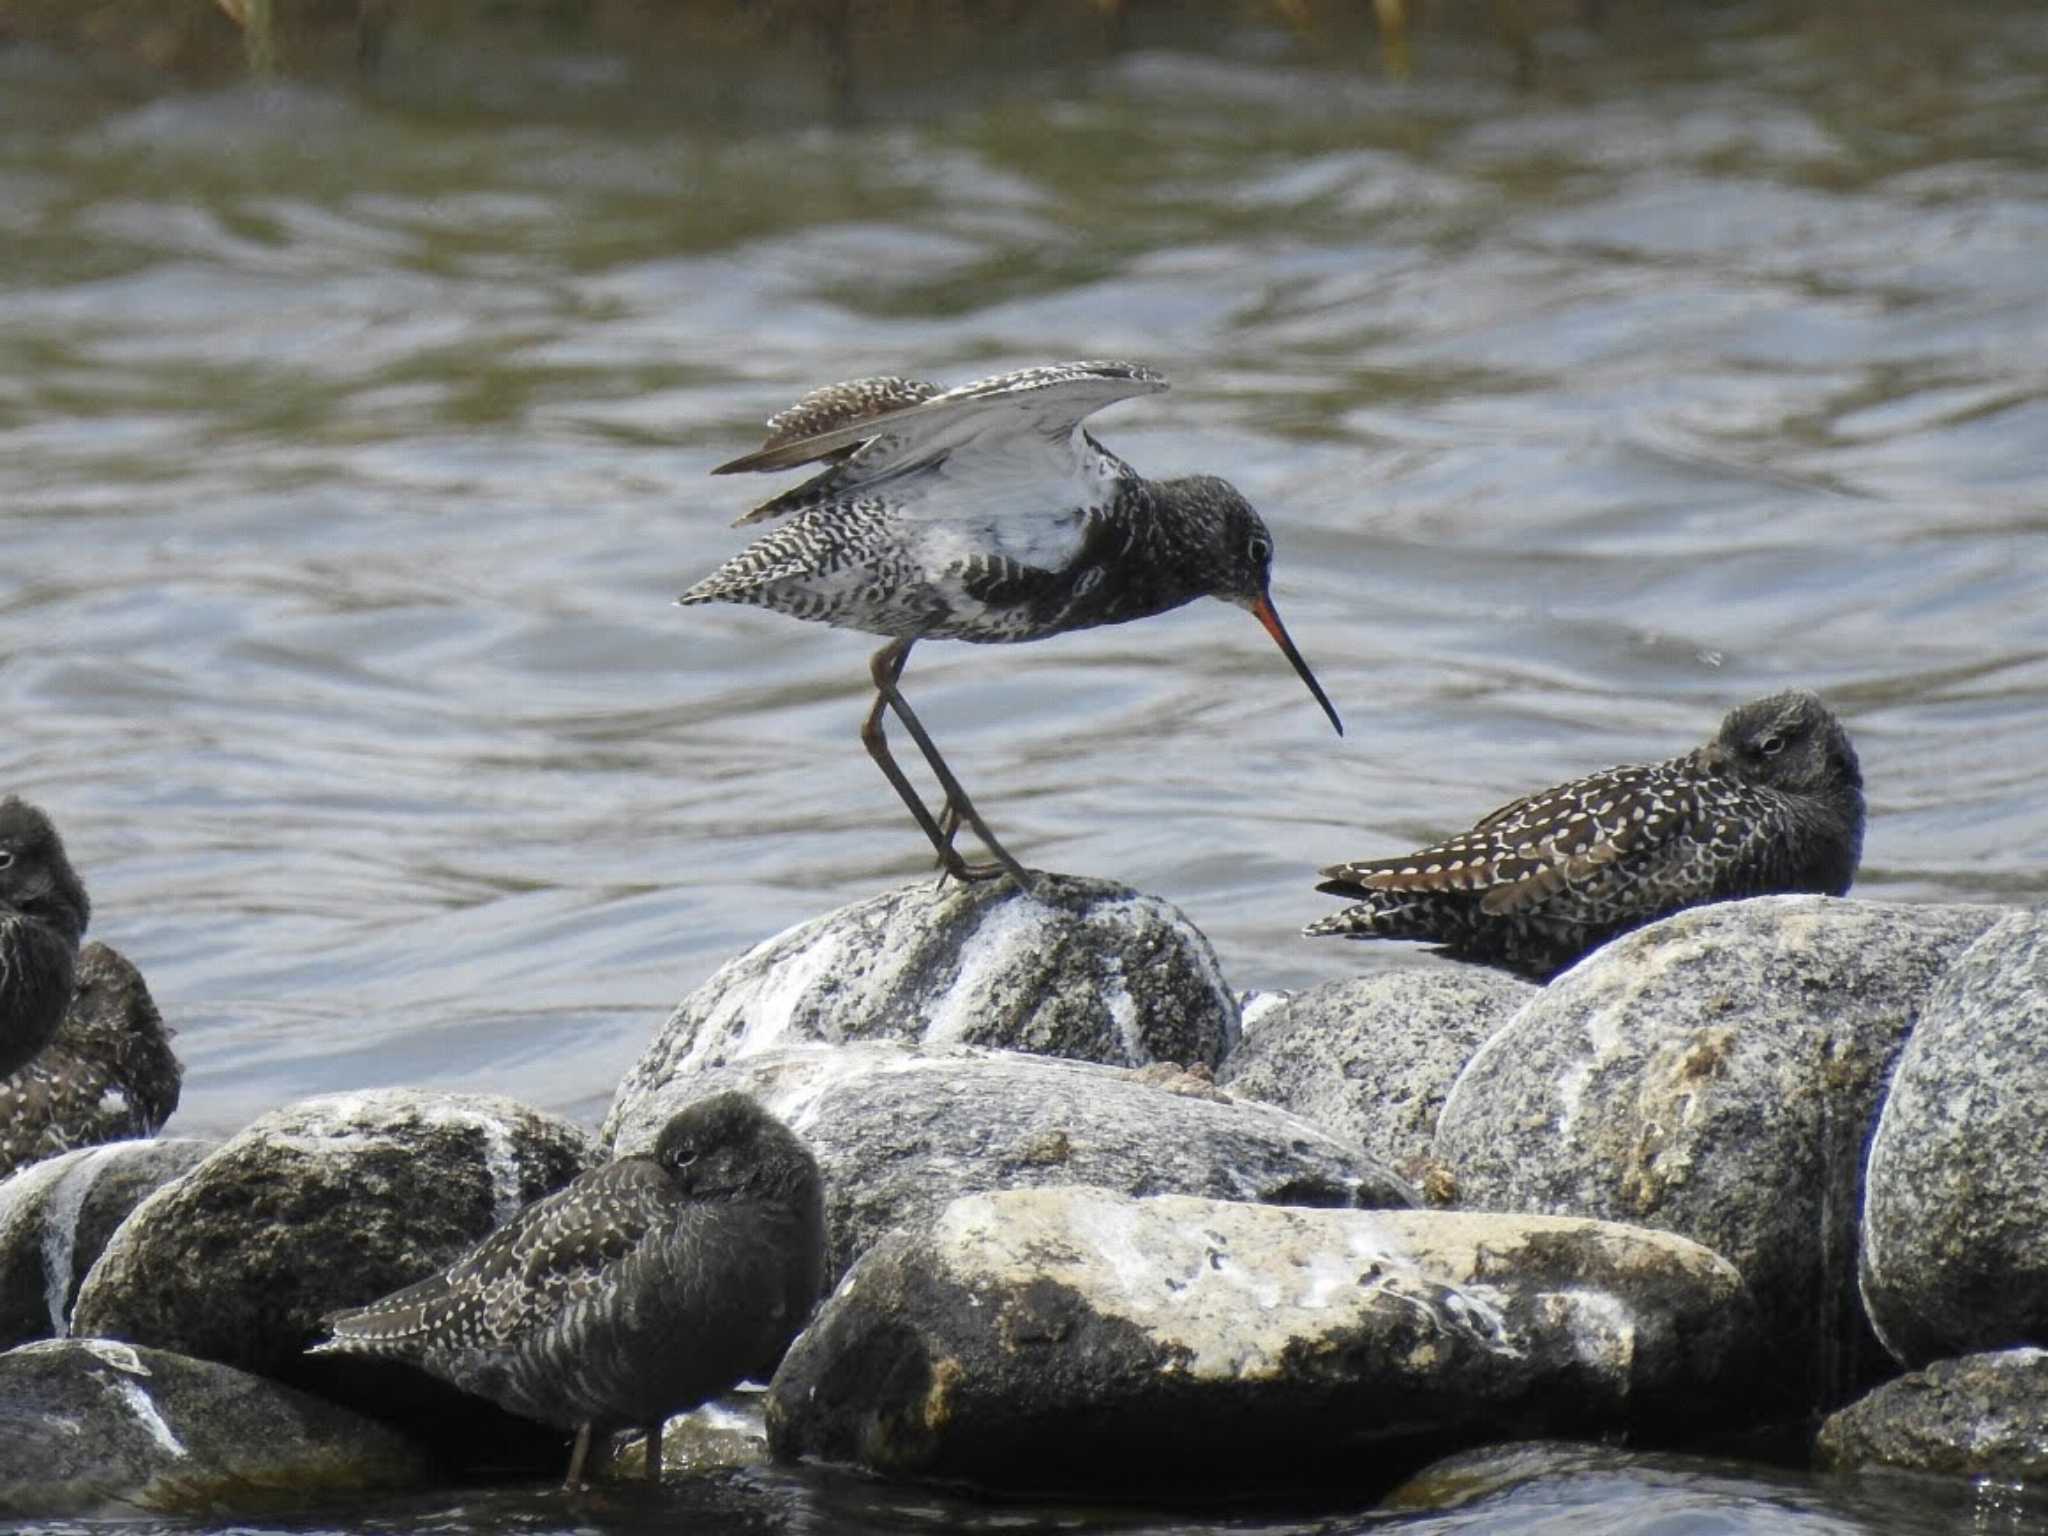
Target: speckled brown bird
x=984 y=513
x=43 y=913
x=1772 y=804
x=638 y=1290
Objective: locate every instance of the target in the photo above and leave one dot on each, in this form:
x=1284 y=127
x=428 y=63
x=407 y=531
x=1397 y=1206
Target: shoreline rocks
x=1062 y=1274
x=1371 y=1059
x=1087 y=969
x=56 y=1217
x=1955 y=1229
x=325 y=1203
x=1717 y=1074
x=1072 y=1338
x=900 y=1130
x=173 y=1435
x=1984 y=1415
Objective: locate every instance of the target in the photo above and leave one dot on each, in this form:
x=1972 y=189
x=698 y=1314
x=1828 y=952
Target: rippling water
x=353 y=443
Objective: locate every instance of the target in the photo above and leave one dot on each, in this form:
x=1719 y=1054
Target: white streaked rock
x=94 y=1426
x=1073 y=1337
x=1084 y=969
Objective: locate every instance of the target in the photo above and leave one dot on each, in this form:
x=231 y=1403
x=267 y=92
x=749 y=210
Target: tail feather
x=1378 y=915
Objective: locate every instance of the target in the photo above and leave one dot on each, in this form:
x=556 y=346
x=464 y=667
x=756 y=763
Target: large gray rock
x=1370 y=1059
x=327 y=1203
x=1085 y=969
x=1980 y=1416
x=1073 y=1337
x=107 y=1075
x=1955 y=1224
x=901 y=1130
x=1717 y=1074
x=56 y=1216
x=89 y=1425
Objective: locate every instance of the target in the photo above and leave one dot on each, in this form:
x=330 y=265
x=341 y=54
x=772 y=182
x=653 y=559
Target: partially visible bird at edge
x=43 y=915
x=984 y=513
x=1773 y=804
x=638 y=1290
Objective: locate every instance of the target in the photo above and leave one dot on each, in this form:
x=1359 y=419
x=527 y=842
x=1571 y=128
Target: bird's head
x=1790 y=741
x=1239 y=554
x=727 y=1147
x=36 y=879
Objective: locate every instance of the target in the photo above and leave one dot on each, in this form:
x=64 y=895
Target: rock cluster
x=1092 y=1229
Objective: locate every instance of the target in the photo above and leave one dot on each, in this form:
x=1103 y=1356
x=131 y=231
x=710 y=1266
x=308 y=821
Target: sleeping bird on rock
x=1773 y=804
x=638 y=1290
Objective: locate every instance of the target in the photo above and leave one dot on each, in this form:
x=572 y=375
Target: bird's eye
x=6 y=858
x=1771 y=745
x=1259 y=549
x=684 y=1156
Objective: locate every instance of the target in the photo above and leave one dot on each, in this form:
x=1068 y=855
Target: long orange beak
x=1264 y=611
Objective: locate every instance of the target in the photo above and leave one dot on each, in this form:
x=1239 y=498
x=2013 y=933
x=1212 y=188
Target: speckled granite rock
x=109 y=1073
x=56 y=1216
x=900 y=1130
x=1087 y=969
x=1717 y=1074
x=328 y=1203
x=1955 y=1226
x=1042 y=1339
x=89 y=1426
x=1980 y=1416
x=1370 y=1059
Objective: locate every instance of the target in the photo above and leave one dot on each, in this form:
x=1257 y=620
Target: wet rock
x=901 y=1130
x=1087 y=969
x=1072 y=1338
x=1981 y=1416
x=56 y=1216
x=107 y=1075
x=1717 y=1074
x=88 y=1425
x=725 y=1434
x=1955 y=1225
x=1370 y=1060
x=324 y=1204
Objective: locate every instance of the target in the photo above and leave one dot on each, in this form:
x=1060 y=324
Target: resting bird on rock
x=43 y=913
x=1773 y=804
x=636 y=1291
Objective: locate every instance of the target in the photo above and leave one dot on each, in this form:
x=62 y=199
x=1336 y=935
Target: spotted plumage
x=984 y=513
x=637 y=1291
x=1773 y=803
x=43 y=913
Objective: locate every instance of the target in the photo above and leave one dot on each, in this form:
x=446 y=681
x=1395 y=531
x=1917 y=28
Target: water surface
x=354 y=439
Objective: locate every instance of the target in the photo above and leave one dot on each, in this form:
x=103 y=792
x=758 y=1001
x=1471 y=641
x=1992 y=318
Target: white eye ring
x=6 y=858
x=1260 y=549
x=1771 y=745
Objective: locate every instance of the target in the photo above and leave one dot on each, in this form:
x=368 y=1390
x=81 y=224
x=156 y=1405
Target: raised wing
x=1023 y=426
x=519 y=1278
x=1555 y=851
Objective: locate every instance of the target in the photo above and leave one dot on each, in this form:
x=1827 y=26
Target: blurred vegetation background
x=830 y=49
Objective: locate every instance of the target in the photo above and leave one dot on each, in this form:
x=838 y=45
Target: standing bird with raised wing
x=43 y=913
x=1772 y=805
x=636 y=1291
x=984 y=513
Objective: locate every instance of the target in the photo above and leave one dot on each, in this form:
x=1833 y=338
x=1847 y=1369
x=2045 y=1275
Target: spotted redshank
x=1773 y=804
x=984 y=513
x=637 y=1291
x=43 y=913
